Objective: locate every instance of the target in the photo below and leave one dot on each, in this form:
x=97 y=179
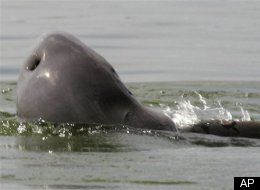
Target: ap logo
x=246 y=183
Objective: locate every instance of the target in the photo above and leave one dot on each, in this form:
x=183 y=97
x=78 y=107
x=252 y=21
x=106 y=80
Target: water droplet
x=21 y=128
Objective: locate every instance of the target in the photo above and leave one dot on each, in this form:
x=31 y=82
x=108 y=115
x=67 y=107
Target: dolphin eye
x=128 y=117
x=33 y=64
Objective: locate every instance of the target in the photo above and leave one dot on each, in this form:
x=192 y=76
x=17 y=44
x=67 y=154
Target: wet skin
x=64 y=81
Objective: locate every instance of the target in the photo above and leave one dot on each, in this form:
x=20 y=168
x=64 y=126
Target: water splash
x=185 y=113
x=245 y=116
x=21 y=128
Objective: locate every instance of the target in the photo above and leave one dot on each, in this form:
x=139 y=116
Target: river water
x=209 y=48
x=155 y=41
x=42 y=156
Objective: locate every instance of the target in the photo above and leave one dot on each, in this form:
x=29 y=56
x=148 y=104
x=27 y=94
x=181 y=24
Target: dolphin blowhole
x=63 y=80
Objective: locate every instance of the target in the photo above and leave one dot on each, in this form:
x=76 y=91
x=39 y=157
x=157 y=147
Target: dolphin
x=64 y=81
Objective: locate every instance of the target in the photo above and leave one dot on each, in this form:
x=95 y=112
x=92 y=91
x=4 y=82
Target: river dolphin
x=64 y=81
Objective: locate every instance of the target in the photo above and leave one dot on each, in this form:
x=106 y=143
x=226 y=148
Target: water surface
x=43 y=156
x=181 y=40
x=155 y=41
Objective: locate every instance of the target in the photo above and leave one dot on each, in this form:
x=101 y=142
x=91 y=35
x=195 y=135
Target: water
x=196 y=41
x=156 y=41
x=42 y=156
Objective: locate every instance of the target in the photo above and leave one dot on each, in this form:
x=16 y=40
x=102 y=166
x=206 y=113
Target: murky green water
x=43 y=156
x=157 y=41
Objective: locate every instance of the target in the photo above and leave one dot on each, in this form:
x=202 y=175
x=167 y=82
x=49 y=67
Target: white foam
x=186 y=114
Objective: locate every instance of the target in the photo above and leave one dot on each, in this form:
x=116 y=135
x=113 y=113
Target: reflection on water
x=94 y=143
x=123 y=161
x=159 y=41
x=41 y=155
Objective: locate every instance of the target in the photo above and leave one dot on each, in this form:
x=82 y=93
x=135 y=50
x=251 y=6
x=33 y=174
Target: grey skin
x=249 y=129
x=64 y=81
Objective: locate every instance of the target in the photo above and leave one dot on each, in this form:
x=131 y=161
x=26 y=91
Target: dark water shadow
x=92 y=143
